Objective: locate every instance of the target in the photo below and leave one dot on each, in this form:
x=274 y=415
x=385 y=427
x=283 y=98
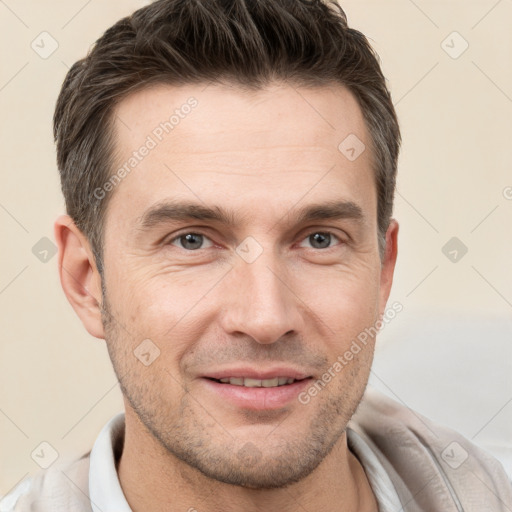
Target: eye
x=321 y=239
x=190 y=241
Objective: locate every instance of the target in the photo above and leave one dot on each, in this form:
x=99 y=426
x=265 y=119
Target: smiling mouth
x=258 y=383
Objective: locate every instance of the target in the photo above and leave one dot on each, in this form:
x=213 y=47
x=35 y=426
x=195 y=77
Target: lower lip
x=257 y=399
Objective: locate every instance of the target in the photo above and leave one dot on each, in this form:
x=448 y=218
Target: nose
x=261 y=303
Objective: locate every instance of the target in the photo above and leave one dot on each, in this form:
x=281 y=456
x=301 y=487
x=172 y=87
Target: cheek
x=347 y=303
x=167 y=312
x=343 y=298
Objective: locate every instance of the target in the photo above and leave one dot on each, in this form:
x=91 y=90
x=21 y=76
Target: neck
x=154 y=479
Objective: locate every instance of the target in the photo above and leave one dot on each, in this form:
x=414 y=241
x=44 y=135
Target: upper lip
x=253 y=373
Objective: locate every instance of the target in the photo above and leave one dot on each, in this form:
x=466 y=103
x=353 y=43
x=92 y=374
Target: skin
x=263 y=155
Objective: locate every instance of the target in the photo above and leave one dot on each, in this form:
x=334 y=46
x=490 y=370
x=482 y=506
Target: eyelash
x=331 y=233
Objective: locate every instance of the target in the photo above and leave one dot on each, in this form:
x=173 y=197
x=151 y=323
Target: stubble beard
x=203 y=443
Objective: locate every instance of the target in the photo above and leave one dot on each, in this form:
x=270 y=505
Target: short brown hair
x=245 y=42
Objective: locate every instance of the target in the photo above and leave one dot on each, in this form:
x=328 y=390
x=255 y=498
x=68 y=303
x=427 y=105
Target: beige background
x=448 y=354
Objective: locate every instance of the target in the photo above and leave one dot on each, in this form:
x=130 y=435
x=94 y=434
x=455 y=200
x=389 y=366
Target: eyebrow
x=169 y=211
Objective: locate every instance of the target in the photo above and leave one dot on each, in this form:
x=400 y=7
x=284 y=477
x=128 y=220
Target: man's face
x=266 y=295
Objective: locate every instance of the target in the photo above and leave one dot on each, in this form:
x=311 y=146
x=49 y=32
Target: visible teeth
x=252 y=383
x=270 y=383
x=257 y=383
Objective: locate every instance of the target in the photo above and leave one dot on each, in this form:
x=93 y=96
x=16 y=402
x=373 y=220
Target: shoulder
x=63 y=487
x=427 y=461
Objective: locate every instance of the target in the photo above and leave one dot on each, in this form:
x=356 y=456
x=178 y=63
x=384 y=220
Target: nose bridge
x=261 y=304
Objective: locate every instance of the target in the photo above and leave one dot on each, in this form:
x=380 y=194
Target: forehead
x=219 y=142
x=270 y=115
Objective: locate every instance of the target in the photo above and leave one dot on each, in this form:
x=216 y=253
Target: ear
x=79 y=275
x=388 y=264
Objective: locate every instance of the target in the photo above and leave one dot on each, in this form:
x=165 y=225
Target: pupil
x=321 y=238
x=192 y=240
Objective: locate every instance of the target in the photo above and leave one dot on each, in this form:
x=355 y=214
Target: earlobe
x=388 y=264
x=78 y=274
